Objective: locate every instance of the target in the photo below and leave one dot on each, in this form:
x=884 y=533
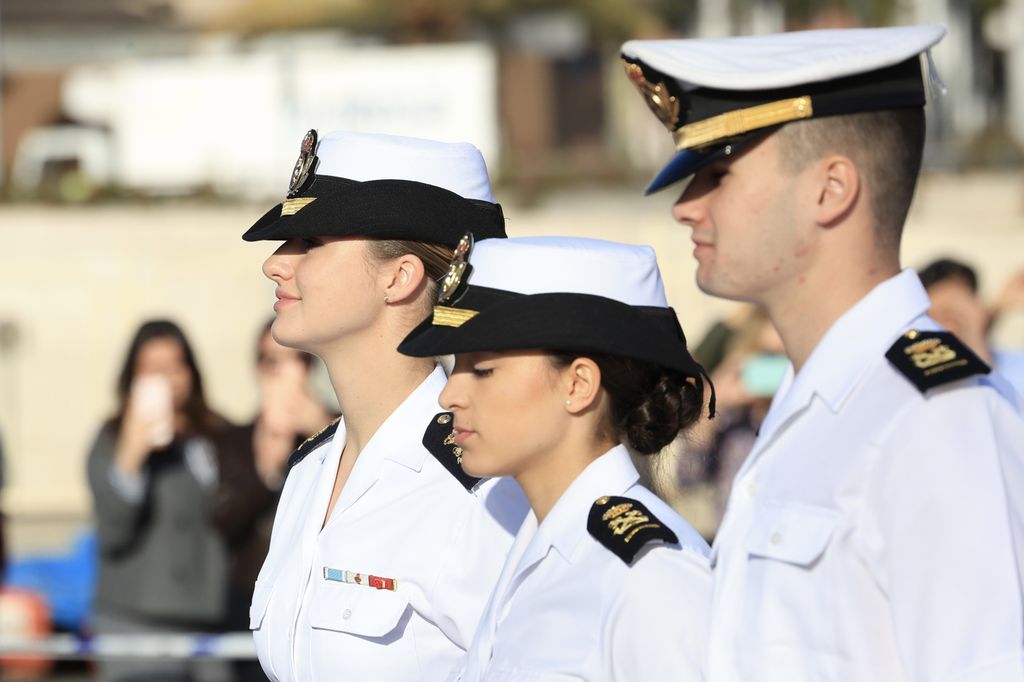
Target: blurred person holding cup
x=152 y=471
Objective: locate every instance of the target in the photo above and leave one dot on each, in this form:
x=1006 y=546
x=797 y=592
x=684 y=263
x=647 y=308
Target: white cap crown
x=539 y=265
x=458 y=167
x=783 y=59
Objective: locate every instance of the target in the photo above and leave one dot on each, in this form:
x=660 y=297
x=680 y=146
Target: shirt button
x=347 y=614
x=751 y=489
x=776 y=538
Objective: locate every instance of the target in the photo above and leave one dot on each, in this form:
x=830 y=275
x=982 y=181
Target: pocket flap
x=356 y=609
x=794 y=533
x=258 y=607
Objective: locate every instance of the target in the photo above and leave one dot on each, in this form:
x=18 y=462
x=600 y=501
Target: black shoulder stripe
x=930 y=359
x=313 y=442
x=625 y=526
x=439 y=440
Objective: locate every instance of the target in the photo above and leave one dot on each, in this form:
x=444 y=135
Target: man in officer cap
x=874 y=532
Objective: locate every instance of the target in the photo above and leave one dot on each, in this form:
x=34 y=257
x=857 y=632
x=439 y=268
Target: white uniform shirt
x=869 y=534
x=401 y=515
x=567 y=608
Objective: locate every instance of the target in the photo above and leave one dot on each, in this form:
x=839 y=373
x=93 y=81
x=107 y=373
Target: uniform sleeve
x=118 y=511
x=946 y=557
x=657 y=627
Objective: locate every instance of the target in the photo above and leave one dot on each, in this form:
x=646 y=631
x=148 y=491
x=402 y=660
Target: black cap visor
x=567 y=322
x=383 y=209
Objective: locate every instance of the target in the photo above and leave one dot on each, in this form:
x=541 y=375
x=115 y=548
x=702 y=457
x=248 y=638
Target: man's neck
x=804 y=311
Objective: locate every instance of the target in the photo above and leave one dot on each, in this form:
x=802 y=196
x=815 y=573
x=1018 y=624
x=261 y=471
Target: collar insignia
x=930 y=359
x=457 y=269
x=625 y=526
x=439 y=440
x=664 y=104
x=304 y=166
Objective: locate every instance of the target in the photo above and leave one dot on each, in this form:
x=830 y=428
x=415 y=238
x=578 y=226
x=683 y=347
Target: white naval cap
x=714 y=95
x=556 y=293
x=370 y=185
x=626 y=273
x=783 y=59
x=456 y=166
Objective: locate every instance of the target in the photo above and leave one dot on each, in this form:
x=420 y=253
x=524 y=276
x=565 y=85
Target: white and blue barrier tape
x=232 y=645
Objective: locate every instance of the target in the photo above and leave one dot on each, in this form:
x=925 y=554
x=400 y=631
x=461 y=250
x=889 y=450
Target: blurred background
x=140 y=138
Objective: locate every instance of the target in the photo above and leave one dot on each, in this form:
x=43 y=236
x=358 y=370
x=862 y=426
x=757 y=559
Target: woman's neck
x=370 y=383
x=554 y=471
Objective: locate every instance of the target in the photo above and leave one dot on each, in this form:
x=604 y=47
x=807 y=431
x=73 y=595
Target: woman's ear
x=583 y=380
x=402 y=278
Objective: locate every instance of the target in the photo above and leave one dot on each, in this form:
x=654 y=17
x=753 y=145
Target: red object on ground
x=23 y=615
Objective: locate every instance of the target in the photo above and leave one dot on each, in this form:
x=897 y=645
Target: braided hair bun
x=650 y=405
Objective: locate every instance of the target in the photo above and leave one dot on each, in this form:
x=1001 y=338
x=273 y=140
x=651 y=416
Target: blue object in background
x=65 y=581
x=763 y=374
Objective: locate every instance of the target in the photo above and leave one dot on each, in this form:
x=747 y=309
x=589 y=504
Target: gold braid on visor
x=446 y=316
x=733 y=123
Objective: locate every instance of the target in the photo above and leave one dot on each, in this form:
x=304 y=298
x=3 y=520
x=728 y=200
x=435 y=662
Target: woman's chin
x=477 y=466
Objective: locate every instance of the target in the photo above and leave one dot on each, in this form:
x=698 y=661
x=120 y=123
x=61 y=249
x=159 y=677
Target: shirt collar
x=392 y=440
x=852 y=344
x=566 y=524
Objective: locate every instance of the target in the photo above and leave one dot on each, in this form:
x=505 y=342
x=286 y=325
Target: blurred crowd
x=184 y=500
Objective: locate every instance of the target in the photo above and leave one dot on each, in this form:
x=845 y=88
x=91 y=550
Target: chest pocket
x=357 y=610
x=794 y=533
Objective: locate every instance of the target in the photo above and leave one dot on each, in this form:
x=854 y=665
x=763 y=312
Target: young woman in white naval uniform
x=566 y=352
x=381 y=559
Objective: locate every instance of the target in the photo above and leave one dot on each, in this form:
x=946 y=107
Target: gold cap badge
x=664 y=105
x=456 y=269
x=305 y=165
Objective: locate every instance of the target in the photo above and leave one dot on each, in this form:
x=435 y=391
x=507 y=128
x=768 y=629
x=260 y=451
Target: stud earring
x=568 y=403
x=387 y=299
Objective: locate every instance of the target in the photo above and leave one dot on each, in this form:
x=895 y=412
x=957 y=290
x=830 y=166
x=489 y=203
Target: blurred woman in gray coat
x=153 y=475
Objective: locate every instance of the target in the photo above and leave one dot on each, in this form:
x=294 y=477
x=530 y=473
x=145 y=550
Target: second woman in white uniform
x=381 y=559
x=566 y=352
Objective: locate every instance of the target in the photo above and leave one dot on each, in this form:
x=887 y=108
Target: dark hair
x=885 y=145
x=650 y=405
x=199 y=417
x=945 y=269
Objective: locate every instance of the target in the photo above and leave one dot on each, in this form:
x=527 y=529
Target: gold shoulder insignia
x=439 y=439
x=625 y=526
x=930 y=359
x=313 y=442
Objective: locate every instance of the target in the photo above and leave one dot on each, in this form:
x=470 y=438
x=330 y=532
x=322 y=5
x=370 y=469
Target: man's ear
x=839 y=189
x=402 y=277
x=583 y=383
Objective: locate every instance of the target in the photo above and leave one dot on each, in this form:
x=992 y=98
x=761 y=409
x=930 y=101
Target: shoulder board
x=439 y=439
x=313 y=442
x=930 y=359
x=625 y=526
